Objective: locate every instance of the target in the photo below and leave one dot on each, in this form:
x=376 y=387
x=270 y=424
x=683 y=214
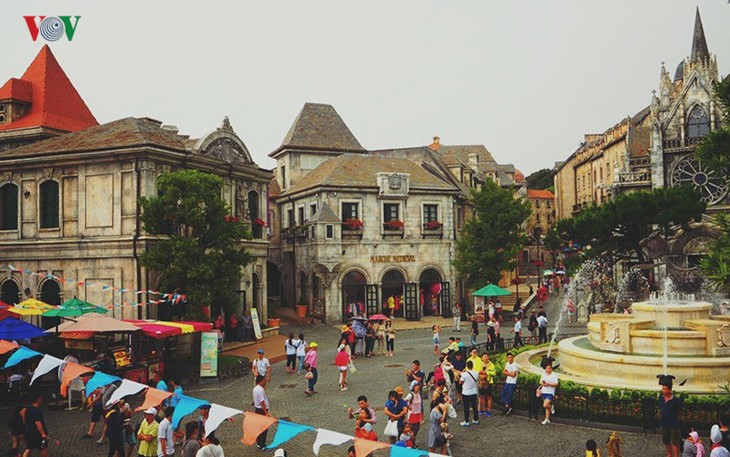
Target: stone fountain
x=627 y=351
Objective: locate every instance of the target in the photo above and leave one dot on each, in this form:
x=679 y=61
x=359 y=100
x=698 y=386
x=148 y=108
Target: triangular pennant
x=254 y=425
x=186 y=405
x=47 y=363
x=21 y=354
x=366 y=447
x=285 y=431
x=329 y=437
x=99 y=380
x=217 y=415
x=7 y=346
x=401 y=451
x=153 y=398
x=127 y=387
x=70 y=372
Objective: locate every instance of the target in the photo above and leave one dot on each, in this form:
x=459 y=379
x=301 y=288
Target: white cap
x=152 y=411
x=280 y=453
x=715 y=434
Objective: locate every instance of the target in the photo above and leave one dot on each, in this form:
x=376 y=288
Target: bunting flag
x=254 y=425
x=185 y=406
x=287 y=430
x=100 y=380
x=329 y=437
x=70 y=372
x=401 y=451
x=47 y=363
x=216 y=416
x=366 y=447
x=7 y=346
x=153 y=398
x=127 y=387
x=21 y=354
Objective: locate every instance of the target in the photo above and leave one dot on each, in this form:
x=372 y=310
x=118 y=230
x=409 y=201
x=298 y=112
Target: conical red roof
x=55 y=103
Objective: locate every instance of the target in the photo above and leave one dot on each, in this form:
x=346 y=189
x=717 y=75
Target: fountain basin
x=584 y=364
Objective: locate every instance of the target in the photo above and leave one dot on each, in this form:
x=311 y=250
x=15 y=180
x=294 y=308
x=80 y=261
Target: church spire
x=699 y=44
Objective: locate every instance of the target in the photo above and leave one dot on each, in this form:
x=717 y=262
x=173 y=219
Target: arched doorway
x=303 y=300
x=429 y=292
x=353 y=294
x=318 y=298
x=10 y=292
x=253 y=214
x=50 y=294
x=256 y=298
x=273 y=285
x=392 y=286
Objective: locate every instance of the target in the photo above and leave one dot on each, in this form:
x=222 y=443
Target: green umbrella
x=547 y=272
x=491 y=290
x=74 y=308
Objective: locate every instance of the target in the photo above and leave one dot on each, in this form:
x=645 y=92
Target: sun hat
x=260 y=351
x=398 y=390
x=152 y=411
x=715 y=434
x=313 y=344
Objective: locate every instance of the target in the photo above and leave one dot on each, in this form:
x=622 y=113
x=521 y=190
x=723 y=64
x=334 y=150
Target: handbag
x=538 y=392
x=308 y=375
x=351 y=367
x=452 y=412
x=391 y=429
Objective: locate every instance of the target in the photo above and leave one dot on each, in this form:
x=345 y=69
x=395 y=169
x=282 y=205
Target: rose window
x=689 y=171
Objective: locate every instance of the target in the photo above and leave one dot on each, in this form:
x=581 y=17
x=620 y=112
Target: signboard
x=478 y=305
x=392 y=258
x=208 y=354
x=256 y=323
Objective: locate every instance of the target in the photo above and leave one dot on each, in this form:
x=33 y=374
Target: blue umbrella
x=14 y=329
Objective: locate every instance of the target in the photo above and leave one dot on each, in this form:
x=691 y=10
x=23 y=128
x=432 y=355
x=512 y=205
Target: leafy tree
x=716 y=264
x=618 y=226
x=714 y=149
x=541 y=179
x=491 y=240
x=199 y=251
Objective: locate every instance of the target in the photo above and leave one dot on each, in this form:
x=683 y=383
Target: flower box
x=394 y=225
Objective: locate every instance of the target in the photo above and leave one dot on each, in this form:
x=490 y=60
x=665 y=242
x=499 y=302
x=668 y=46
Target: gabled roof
x=123 y=133
x=55 y=103
x=459 y=154
x=319 y=127
x=540 y=194
x=357 y=170
x=325 y=214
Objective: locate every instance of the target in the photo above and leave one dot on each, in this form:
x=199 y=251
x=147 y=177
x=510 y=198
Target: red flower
x=259 y=222
x=433 y=225
x=395 y=224
x=228 y=218
x=352 y=224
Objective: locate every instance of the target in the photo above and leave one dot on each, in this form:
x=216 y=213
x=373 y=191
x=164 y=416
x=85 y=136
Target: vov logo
x=51 y=28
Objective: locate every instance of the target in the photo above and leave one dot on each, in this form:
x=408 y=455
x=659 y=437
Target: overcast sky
x=526 y=79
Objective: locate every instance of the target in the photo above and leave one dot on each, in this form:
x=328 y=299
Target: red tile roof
x=519 y=176
x=541 y=194
x=55 y=103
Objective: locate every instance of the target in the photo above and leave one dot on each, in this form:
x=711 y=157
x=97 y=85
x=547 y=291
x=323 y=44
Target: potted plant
x=433 y=225
x=259 y=222
x=302 y=310
x=273 y=320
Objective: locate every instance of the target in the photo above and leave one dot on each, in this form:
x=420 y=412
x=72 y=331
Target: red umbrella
x=378 y=317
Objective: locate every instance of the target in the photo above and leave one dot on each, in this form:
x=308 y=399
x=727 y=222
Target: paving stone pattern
x=496 y=436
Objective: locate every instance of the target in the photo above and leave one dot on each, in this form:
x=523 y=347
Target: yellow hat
x=398 y=390
x=312 y=344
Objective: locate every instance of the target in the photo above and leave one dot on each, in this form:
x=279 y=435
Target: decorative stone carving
x=226 y=126
x=242 y=201
x=689 y=171
x=613 y=333
x=723 y=336
x=226 y=150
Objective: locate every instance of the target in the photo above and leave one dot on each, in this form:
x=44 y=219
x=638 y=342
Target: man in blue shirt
x=177 y=392
x=396 y=409
x=160 y=384
x=415 y=373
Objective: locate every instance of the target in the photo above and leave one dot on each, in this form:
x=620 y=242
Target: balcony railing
x=639 y=176
x=681 y=143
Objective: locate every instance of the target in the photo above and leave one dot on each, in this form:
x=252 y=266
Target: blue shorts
x=550 y=397
x=436 y=340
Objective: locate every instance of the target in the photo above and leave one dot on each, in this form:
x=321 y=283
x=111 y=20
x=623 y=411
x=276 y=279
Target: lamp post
x=537 y=237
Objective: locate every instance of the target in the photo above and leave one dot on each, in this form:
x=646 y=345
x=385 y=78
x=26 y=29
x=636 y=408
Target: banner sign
x=256 y=323
x=208 y=354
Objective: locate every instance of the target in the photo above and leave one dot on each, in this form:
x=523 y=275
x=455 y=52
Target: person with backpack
x=114 y=431
x=291 y=354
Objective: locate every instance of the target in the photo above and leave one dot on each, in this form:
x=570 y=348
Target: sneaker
x=474 y=422
x=509 y=410
x=488 y=414
x=545 y=422
x=308 y=392
x=100 y=441
x=464 y=424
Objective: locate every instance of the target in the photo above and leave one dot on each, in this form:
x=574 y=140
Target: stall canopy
x=96 y=323
x=4 y=307
x=164 y=329
x=31 y=307
x=491 y=290
x=14 y=329
x=74 y=308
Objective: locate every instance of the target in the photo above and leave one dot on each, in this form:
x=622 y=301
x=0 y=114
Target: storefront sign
x=392 y=258
x=256 y=323
x=208 y=354
x=79 y=345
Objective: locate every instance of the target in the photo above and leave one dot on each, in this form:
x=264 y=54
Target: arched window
x=10 y=292
x=9 y=207
x=253 y=212
x=49 y=204
x=698 y=124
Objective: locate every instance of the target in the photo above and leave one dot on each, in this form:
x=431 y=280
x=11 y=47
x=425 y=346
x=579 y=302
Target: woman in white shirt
x=301 y=345
x=548 y=383
x=291 y=354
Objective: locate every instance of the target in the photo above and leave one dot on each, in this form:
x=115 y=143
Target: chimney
x=436 y=139
x=170 y=128
x=436 y=143
x=474 y=161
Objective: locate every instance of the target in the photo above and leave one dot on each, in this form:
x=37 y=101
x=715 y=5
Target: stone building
x=352 y=227
x=70 y=190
